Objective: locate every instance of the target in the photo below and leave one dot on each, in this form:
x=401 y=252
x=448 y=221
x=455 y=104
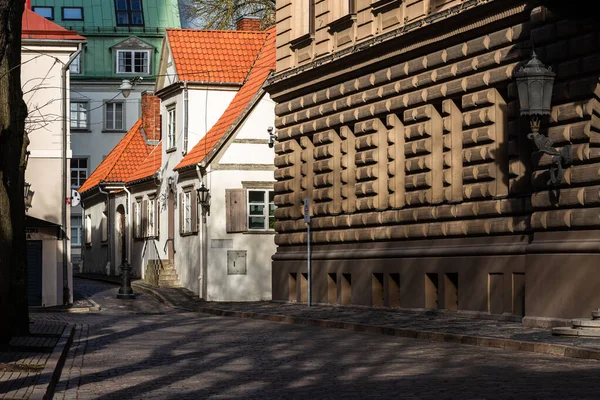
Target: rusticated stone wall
x=414 y=141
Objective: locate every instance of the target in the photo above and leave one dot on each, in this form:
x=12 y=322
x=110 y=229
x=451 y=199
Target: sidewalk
x=30 y=367
x=425 y=326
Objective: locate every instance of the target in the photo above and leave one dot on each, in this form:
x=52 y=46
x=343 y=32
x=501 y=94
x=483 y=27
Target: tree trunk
x=13 y=146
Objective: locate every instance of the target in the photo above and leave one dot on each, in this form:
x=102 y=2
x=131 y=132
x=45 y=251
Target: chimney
x=28 y=4
x=151 y=116
x=248 y=24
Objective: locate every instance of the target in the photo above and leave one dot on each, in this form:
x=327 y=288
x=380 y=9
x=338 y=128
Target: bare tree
x=222 y=14
x=13 y=147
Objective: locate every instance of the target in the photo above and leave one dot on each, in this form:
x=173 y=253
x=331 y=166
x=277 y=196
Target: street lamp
x=127 y=85
x=272 y=136
x=204 y=200
x=534 y=84
x=28 y=196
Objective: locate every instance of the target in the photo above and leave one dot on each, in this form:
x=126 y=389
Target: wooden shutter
x=156 y=218
x=144 y=232
x=181 y=221
x=136 y=234
x=194 y=211
x=236 y=219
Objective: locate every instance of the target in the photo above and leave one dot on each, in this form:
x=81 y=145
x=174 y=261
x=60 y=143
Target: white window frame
x=77 y=237
x=187 y=212
x=78 y=169
x=112 y=105
x=267 y=215
x=171 y=127
x=71 y=8
x=145 y=69
x=151 y=229
x=137 y=215
x=75 y=67
x=78 y=113
x=36 y=8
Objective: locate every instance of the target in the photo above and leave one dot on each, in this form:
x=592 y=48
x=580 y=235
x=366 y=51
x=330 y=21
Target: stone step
x=167 y=280
x=596 y=314
x=169 y=285
x=168 y=273
x=563 y=331
x=586 y=323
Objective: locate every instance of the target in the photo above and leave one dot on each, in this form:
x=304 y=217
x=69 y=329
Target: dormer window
x=133 y=62
x=46 y=12
x=129 y=12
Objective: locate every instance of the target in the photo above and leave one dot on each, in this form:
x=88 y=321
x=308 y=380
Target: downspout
x=202 y=278
x=65 y=194
x=185 y=118
x=108 y=235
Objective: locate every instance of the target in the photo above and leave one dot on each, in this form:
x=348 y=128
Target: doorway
x=121 y=238
x=34 y=271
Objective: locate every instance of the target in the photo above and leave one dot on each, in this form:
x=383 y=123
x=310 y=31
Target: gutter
x=65 y=194
x=185 y=118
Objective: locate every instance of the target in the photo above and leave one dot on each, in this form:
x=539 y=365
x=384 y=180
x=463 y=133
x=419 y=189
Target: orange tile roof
x=214 y=56
x=149 y=166
x=265 y=64
x=37 y=27
x=122 y=161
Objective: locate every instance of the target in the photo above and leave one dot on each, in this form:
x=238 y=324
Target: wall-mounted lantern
x=272 y=136
x=28 y=196
x=127 y=85
x=204 y=200
x=535 y=83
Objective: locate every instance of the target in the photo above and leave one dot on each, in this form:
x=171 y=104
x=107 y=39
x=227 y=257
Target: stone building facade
x=399 y=120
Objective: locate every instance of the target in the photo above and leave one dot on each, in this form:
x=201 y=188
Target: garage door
x=34 y=268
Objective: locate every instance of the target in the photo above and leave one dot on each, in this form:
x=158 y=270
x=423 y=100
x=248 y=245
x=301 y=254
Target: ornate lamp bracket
x=561 y=159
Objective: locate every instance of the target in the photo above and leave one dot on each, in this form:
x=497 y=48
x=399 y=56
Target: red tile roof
x=122 y=161
x=214 y=56
x=265 y=64
x=37 y=27
x=149 y=166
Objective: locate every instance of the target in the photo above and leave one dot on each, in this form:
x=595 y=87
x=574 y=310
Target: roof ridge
x=231 y=31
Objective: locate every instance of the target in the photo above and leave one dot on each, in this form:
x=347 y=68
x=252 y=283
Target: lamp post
x=534 y=84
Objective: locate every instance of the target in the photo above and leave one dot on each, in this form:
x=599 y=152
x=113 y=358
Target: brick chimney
x=151 y=116
x=28 y=4
x=248 y=24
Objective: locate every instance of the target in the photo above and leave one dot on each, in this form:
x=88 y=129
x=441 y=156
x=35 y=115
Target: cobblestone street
x=141 y=349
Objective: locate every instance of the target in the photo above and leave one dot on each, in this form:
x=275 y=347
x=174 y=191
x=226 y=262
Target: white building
x=46 y=49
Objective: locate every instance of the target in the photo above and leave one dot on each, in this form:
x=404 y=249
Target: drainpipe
x=202 y=278
x=65 y=194
x=108 y=235
x=185 y=117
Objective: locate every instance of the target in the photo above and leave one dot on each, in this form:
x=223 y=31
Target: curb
x=154 y=293
x=479 y=341
x=44 y=389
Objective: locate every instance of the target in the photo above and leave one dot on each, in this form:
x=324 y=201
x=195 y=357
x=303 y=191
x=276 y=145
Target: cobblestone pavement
x=141 y=349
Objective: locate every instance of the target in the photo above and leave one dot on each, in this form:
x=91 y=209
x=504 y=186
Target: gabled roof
x=239 y=106
x=122 y=161
x=214 y=56
x=37 y=27
x=148 y=167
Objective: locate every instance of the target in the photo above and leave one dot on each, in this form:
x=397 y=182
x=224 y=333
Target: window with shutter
x=235 y=202
x=144 y=231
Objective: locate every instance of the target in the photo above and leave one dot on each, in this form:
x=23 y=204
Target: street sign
x=75 y=198
x=307 y=210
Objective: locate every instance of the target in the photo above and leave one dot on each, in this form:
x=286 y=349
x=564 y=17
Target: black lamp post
x=204 y=200
x=534 y=83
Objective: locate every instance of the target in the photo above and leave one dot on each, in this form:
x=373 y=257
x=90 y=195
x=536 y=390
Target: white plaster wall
x=206 y=107
x=256 y=124
x=256 y=284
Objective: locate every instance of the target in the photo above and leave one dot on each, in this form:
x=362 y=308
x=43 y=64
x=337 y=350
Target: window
x=79 y=172
x=75 y=67
x=72 y=14
x=129 y=12
x=261 y=208
x=137 y=218
x=171 y=121
x=305 y=22
x=79 y=111
x=88 y=229
x=46 y=12
x=76 y=230
x=113 y=117
x=151 y=218
x=133 y=62
x=104 y=227
x=187 y=212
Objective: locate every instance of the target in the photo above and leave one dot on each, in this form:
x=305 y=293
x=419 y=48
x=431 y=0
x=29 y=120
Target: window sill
x=302 y=41
x=171 y=150
x=266 y=232
x=342 y=23
x=113 y=131
x=184 y=234
x=81 y=130
x=104 y=244
x=382 y=6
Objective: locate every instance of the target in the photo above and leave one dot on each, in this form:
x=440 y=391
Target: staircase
x=161 y=273
x=581 y=327
x=167 y=276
